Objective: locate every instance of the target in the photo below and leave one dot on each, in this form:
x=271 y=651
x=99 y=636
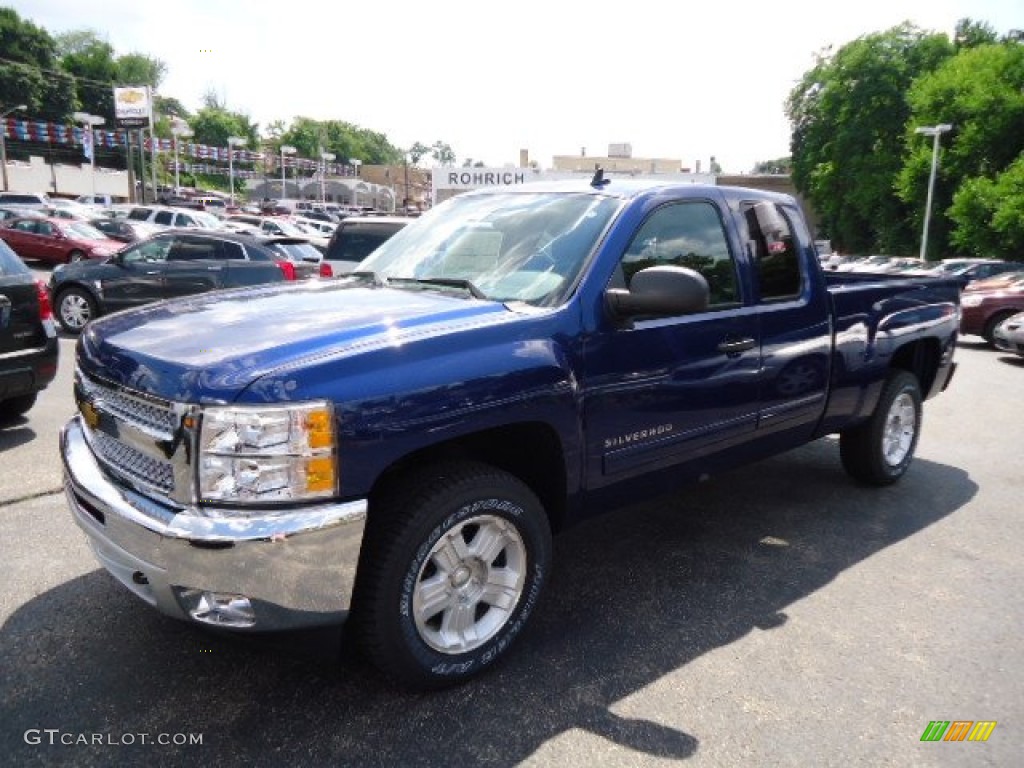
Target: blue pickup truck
x=396 y=447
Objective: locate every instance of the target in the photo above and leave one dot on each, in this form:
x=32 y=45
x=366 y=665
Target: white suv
x=174 y=217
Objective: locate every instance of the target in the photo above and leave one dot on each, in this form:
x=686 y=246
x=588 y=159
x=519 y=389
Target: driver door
x=139 y=274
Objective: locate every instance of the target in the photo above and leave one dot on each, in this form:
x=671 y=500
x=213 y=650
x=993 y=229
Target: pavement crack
x=31 y=496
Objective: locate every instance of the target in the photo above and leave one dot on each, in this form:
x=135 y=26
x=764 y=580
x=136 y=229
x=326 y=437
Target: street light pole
x=88 y=123
x=935 y=131
x=233 y=141
x=286 y=149
x=355 y=161
x=3 y=138
x=326 y=157
x=180 y=129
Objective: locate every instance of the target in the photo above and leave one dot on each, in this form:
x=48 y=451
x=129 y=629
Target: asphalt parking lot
x=777 y=615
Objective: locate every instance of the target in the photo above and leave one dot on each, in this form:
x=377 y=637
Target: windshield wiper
x=445 y=282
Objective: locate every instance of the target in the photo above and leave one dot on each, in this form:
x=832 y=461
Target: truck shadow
x=636 y=595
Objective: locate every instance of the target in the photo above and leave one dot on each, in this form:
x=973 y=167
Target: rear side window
x=139 y=214
x=195 y=248
x=775 y=254
x=10 y=264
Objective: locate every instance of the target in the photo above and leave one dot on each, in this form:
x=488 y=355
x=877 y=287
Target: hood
x=210 y=347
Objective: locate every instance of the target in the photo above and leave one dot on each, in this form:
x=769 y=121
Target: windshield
x=296 y=251
x=83 y=231
x=205 y=220
x=528 y=247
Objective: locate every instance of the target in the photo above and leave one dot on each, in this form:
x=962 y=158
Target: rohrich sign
x=472 y=178
x=132 y=106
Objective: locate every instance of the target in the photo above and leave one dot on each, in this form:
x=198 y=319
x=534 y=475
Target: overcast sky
x=674 y=79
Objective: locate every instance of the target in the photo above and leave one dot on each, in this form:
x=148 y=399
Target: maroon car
x=58 y=241
x=983 y=310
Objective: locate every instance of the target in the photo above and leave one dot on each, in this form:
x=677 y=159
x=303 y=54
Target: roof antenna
x=599 y=180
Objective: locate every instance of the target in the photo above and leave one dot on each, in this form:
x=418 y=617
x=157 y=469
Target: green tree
x=442 y=154
x=140 y=69
x=417 y=152
x=980 y=92
x=848 y=115
x=30 y=72
x=971 y=34
x=212 y=127
x=91 y=61
x=781 y=165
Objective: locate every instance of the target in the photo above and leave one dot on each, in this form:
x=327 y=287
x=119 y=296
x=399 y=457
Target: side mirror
x=660 y=291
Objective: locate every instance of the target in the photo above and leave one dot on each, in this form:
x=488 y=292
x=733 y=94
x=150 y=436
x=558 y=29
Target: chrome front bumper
x=295 y=568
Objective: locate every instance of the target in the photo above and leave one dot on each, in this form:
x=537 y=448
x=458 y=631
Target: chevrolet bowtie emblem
x=92 y=418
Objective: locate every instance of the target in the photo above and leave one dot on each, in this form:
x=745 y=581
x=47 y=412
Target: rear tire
x=455 y=560
x=75 y=308
x=879 y=451
x=76 y=256
x=13 y=407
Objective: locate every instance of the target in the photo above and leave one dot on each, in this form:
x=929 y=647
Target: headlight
x=970 y=301
x=267 y=454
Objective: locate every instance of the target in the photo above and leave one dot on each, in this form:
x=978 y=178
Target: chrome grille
x=124 y=459
x=150 y=416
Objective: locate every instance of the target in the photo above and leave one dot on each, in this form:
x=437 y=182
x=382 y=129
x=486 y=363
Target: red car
x=58 y=241
x=983 y=310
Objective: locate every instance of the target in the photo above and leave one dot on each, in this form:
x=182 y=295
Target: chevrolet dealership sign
x=132 y=106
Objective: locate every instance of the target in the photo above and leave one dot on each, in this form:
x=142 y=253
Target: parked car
x=358 y=236
x=1008 y=336
x=28 y=340
x=173 y=263
x=174 y=217
x=32 y=200
x=125 y=230
x=101 y=200
x=8 y=212
x=69 y=209
x=983 y=310
x=281 y=227
x=985 y=269
x=56 y=241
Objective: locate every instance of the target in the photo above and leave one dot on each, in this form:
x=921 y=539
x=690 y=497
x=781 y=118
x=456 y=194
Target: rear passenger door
x=795 y=321
x=196 y=264
x=667 y=390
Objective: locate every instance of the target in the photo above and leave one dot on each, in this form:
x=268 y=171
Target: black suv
x=174 y=263
x=28 y=340
x=357 y=237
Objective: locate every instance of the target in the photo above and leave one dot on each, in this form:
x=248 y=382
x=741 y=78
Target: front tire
x=989 y=333
x=879 y=451
x=75 y=308
x=75 y=256
x=455 y=561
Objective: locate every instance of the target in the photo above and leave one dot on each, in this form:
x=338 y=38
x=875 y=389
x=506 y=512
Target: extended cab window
x=689 y=235
x=774 y=251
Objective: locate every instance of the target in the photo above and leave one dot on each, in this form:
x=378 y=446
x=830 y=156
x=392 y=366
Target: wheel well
x=531 y=451
x=920 y=358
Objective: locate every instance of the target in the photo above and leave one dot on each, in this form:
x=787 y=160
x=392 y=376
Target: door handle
x=733 y=347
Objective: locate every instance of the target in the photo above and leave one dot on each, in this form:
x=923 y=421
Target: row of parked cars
x=158 y=252
x=992 y=300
